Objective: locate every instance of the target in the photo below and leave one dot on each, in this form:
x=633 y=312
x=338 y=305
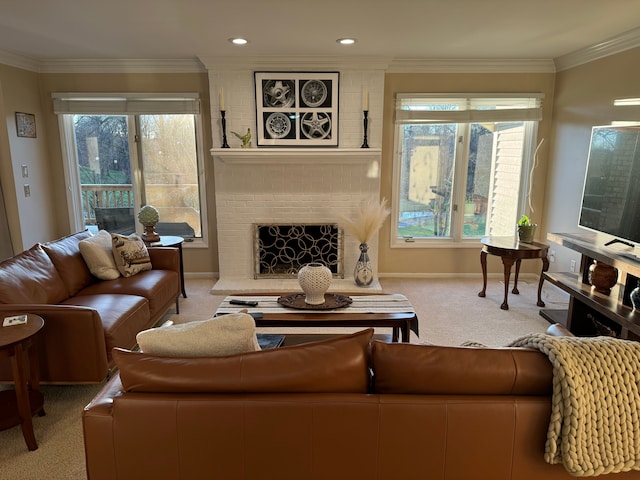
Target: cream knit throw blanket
x=595 y=425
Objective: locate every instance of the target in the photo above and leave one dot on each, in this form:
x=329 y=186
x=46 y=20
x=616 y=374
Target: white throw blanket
x=595 y=418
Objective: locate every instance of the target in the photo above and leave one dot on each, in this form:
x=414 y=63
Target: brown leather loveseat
x=345 y=408
x=84 y=317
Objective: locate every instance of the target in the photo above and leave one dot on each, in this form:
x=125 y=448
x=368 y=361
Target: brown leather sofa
x=84 y=317
x=346 y=408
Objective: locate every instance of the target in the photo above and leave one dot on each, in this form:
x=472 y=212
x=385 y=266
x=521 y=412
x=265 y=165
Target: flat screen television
x=611 y=194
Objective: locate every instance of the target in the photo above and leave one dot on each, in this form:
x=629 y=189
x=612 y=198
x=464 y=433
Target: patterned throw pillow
x=130 y=254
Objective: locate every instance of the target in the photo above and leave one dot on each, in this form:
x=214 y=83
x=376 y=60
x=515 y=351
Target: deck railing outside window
x=106 y=196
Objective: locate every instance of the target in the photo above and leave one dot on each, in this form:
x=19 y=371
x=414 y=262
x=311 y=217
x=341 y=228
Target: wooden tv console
x=590 y=312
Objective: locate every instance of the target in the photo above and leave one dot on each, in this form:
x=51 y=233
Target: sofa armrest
x=165 y=258
x=72 y=344
x=97 y=425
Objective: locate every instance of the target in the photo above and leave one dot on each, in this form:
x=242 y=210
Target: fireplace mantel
x=295 y=155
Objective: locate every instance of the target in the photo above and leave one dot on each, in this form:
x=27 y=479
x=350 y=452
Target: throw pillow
x=98 y=255
x=219 y=336
x=130 y=254
x=338 y=365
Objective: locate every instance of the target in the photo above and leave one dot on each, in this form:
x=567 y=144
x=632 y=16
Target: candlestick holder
x=223 y=120
x=366 y=126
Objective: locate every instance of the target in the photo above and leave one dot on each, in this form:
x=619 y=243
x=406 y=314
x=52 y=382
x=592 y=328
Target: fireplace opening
x=281 y=250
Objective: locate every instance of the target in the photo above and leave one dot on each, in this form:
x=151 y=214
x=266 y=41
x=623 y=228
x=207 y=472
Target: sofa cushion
x=65 y=255
x=155 y=285
x=337 y=365
x=431 y=370
x=30 y=277
x=214 y=337
x=97 y=253
x=130 y=254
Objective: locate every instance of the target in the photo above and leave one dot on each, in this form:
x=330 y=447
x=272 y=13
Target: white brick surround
x=290 y=185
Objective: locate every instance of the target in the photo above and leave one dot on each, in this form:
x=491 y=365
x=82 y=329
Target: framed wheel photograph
x=297 y=109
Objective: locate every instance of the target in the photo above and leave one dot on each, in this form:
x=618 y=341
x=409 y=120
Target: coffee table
x=383 y=310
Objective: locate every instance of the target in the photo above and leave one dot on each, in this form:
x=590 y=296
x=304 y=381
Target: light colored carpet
x=449 y=310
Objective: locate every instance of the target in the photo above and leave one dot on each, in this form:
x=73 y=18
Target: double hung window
x=127 y=151
x=461 y=165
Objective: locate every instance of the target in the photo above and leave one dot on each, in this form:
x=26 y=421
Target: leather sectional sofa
x=85 y=318
x=345 y=408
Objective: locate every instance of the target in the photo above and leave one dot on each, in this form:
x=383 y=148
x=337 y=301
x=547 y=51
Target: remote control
x=247 y=303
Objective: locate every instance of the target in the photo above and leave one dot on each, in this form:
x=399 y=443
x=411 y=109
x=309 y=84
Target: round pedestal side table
x=18 y=405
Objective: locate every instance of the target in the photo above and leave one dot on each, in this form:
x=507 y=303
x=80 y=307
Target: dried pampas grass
x=369 y=218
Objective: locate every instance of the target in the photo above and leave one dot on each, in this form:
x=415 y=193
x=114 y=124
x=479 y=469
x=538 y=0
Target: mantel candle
x=365 y=100
x=222 y=99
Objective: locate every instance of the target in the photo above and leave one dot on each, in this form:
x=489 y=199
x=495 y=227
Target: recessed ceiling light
x=238 y=41
x=346 y=41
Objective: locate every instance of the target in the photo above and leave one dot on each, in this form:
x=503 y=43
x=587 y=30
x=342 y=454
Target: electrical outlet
x=572 y=266
x=552 y=256
x=27 y=190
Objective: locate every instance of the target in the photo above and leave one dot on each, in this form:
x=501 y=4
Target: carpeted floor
x=449 y=310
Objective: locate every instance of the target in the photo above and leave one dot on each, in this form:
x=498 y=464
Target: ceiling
x=44 y=30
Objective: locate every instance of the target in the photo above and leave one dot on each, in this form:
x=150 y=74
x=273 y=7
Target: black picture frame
x=26 y=125
x=297 y=109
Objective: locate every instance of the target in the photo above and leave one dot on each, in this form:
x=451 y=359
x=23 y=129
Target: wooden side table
x=18 y=406
x=511 y=250
x=174 y=241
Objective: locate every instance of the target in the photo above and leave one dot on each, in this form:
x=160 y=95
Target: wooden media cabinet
x=590 y=312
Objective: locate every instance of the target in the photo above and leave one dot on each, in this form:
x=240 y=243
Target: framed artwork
x=297 y=109
x=26 y=124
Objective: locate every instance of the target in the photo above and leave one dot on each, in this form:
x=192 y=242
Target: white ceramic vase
x=315 y=280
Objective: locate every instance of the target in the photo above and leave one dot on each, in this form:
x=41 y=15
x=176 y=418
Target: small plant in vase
x=369 y=219
x=526 y=229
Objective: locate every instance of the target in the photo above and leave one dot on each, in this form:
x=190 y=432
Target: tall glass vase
x=363 y=273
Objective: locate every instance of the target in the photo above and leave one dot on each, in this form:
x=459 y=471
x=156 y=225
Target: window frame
x=455 y=240
x=66 y=105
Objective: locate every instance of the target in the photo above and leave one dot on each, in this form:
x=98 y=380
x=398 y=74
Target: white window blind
x=467 y=108
x=127 y=103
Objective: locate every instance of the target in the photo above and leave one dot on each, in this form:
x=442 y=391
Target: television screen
x=611 y=195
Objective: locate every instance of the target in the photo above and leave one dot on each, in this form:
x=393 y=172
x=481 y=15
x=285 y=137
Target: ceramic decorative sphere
x=148 y=216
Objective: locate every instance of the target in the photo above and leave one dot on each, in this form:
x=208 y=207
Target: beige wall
x=202 y=260
x=434 y=261
x=583 y=99
x=30 y=218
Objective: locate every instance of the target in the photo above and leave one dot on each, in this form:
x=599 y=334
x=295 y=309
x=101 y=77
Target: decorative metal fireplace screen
x=281 y=250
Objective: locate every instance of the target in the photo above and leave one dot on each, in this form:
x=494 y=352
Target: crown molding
x=121 y=66
x=294 y=62
x=471 y=65
x=19 y=61
x=611 y=46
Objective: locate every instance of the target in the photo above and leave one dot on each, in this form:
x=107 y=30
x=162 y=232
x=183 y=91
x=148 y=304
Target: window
x=460 y=166
x=126 y=152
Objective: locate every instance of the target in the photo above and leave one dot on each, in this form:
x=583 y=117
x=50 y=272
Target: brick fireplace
x=287 y=187
x=291 y=185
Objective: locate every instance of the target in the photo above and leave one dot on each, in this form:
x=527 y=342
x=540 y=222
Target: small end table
x=173 y=241
x=18 y=406
x=511 y=250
